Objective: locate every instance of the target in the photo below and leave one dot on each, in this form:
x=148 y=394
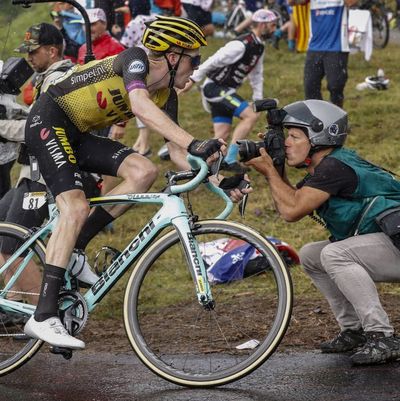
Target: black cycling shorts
x=63 y=151
x=223 y=106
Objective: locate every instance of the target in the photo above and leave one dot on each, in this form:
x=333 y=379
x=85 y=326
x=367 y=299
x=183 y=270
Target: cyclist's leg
x=52 y=143
x=114 y=159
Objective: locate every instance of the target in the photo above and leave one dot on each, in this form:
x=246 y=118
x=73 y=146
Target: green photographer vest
x=376 y=191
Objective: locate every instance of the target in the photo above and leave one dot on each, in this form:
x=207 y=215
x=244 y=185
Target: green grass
x=372 y=114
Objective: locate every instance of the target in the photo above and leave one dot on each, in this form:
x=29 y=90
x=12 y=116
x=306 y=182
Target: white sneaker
x=80 y=268
x=53 y=332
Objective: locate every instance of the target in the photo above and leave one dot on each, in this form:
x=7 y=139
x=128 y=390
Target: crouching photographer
x=358 y=203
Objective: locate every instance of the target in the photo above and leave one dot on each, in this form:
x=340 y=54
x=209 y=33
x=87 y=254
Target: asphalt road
x=285 y=377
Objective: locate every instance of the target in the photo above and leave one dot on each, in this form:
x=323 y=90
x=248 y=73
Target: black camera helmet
x=325 y=124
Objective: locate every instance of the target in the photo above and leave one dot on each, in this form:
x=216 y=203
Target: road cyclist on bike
x=94 y=96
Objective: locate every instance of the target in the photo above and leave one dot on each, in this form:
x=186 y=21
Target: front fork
x=194 y=261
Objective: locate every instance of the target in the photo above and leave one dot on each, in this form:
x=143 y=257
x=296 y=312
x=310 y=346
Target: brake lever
x=215 y=166
x=242 y=204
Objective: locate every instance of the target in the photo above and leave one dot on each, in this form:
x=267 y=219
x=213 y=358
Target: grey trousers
x=346 y=271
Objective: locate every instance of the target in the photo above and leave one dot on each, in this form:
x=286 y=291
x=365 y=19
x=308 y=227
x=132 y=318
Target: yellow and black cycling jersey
x=96 y=95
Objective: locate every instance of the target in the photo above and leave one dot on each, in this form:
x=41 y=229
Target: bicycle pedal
x=65 y=352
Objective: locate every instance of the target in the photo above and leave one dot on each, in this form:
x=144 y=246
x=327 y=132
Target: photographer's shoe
x=234 y=167
x=53 y=332
x=346 y=340
x=377 y=349
x=79 y=268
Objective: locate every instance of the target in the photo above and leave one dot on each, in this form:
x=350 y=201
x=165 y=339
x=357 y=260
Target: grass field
x=372 y=115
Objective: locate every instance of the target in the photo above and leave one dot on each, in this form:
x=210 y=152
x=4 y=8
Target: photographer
x=349 y=194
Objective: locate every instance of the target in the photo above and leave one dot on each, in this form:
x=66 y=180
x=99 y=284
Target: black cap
x=40 y=35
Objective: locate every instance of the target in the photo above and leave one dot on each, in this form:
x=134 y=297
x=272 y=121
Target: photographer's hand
x=263 y=164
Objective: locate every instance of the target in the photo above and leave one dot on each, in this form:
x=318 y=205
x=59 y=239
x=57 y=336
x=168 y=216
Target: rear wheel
x=15 y=348
x=190 y=345
x=380 y=28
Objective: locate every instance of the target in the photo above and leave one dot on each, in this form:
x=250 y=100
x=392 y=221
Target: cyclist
x=93 y=96
x=348 y=193
x=225 y=72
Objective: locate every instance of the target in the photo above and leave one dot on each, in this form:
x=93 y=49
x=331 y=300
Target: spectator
x=139 y=7
x=225 y=72
x=200 y=12
x=328 y=50
x=103 y=43
x=69 y=22
x=169 y=7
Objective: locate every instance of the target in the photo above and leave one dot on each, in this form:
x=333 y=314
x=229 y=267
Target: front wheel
x=190 y=345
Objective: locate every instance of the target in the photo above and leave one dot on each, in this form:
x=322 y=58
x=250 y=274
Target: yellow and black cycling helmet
x=164 y=32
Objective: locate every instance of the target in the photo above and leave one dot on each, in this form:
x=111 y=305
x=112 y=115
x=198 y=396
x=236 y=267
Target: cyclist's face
x=297 y=146
x=41 y=58
x=188 y=63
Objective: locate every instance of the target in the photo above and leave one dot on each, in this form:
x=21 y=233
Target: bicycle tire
x=256 y=308
x=380 y=28
x=15 y=348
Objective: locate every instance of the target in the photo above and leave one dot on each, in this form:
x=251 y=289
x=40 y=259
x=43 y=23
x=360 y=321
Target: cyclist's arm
x=227 y=55
x=256 y=78
x=350 y=3
x=154 y=118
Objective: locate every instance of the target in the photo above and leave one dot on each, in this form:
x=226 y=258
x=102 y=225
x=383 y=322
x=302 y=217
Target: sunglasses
x=195 y=60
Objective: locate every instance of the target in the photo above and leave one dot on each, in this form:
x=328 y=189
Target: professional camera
x=274 y=140
x=16 y=71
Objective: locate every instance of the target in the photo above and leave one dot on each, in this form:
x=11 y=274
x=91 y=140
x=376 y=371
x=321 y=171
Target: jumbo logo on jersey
x=137 y=66
x=102 y=102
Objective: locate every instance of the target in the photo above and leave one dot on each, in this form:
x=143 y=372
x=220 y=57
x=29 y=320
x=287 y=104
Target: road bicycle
x=185 y=327
x=380 y=21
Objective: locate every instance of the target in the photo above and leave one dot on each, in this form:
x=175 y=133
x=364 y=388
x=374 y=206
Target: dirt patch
x=312 y=322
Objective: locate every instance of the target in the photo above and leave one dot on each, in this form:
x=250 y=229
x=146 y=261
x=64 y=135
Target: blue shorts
x=224 y=103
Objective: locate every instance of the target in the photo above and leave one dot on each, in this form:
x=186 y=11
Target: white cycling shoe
x=53 y=332
x=80 y=268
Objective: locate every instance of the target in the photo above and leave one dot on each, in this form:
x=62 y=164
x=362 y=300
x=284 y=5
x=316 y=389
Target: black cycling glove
x=204 y=149
x=231 y=183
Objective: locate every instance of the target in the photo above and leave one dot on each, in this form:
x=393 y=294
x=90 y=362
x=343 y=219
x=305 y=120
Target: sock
x=95 y=222
x=291 y=44
x=231 y=154
x=278 y=33
x=48 y=299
